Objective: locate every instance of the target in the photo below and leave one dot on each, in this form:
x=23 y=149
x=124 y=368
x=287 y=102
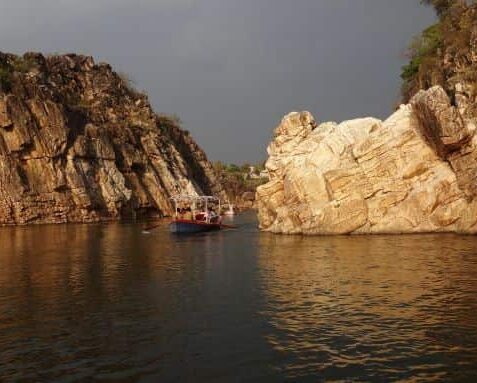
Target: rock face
x=77 y=144
x=450 y=59
x=414 y=172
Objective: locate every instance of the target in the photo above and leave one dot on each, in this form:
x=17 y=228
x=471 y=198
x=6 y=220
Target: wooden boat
x=183 y=226
x=198 y=218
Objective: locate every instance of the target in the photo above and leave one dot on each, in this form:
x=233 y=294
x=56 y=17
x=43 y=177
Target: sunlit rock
x=414 y=172
x=78 y=144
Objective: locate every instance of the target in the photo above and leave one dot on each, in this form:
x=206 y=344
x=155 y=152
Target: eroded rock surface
x=77 y=144
x=414 y=172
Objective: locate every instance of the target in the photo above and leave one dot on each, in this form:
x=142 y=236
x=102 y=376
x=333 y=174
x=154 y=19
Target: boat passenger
x=188 y=214
x=212 y=215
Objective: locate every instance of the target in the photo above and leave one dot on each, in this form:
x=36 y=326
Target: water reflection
x=371 y=307
x=66 y=298
x=109 y=303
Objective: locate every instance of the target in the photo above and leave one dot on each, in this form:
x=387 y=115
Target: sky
x=231 y=69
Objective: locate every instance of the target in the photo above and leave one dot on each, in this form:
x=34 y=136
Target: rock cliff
x=414 y=172
x=78 y=144
x=446 y=54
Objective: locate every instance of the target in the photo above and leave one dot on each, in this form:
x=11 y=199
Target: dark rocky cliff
x=78 y=144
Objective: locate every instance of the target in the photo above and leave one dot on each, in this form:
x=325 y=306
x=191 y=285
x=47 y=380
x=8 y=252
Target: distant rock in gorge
x=78 y=144
x=414 y=172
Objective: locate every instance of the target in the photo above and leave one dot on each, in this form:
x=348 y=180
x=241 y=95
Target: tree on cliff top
x=441 y=6
x=450 y=36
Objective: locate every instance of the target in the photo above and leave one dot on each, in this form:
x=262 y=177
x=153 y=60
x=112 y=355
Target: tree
x=219 y=167
x=5 y=79
x=441 y=6
x=232 y=168
x=245 y=167
x=429 y=53
x=422 y=47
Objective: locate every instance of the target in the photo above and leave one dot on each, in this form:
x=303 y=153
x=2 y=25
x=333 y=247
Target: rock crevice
x=414 y=172
x=78 y=144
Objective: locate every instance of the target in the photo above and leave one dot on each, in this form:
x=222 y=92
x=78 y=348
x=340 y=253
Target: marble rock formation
x=415 y=172
x=78 y=144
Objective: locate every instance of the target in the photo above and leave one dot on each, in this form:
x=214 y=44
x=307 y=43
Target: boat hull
x=191 y=227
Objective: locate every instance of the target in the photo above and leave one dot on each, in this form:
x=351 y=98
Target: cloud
x=232 y=68
x=33 y=13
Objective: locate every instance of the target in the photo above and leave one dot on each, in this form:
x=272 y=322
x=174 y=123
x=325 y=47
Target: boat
x=230 y=211
x=183 y=226
x=195 y=214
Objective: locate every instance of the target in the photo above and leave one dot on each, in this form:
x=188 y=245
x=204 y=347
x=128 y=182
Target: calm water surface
x=111 y=304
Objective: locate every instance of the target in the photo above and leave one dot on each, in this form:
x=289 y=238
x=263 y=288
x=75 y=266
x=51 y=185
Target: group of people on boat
x=195 y=214
x=208 y=216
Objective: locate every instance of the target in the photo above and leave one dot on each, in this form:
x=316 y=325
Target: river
x=109 y=303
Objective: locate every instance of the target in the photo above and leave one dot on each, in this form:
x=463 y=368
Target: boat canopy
x=195 y=200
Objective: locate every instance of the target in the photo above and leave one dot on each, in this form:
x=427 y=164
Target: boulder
x=248 y=196
x=412 y=173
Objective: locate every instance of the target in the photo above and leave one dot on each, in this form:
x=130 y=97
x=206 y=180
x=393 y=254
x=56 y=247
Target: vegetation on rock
x=78 y=144
x=237 y=180
x=9 y=65
x=441 y=6
x=412 y=173
x=444 y=54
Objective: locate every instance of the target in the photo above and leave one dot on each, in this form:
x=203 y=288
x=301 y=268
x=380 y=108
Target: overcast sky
x=232 y=68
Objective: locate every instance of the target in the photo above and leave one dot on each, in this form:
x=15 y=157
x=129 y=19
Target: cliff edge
x=414 y=172
x=78 y=144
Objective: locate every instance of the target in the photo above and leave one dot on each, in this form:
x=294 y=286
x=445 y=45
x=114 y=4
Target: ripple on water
x=107 y=303
x=367 y=312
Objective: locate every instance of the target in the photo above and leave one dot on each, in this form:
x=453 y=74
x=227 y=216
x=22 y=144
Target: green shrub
x=441 y=6
x=421 y=48
x=23 y=65
x=232 y=168
x=10 y=66
x=6 y=76
x=429 y=53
